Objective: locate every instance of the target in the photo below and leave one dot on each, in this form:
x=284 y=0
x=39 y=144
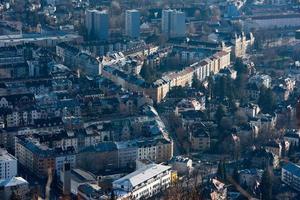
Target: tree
x=196 y=82
x=283 y=150
x=235 y=175
x=148 y=73
x=267 y=100
x=221 y=171
x=112 y=195
x=240 y=84
x=240 y=67
x=220 y=113
x=266 y=185
x=226 y=123
x=177 y=92
x=241 y=117
x=14 y=196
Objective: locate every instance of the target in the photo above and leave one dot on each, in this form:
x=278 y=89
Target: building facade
x=97 y=24
x=132 y=23
x=8 y=165
x=173 y=23
x=144 y=182
x=290 y=175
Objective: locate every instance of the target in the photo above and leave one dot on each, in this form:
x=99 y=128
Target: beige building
x=159 y=89
x=241 y=44
x=199 y=140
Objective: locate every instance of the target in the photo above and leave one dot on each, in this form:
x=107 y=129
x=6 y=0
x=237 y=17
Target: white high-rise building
x=97 y=24
x=173 y=23
x=132 y=23
x=8 y=165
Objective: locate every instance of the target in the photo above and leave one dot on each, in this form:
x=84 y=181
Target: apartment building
x=144 y=182
x=159 y=89
x=290 y=175
x=155 y=150
x=38 y=158
x=15 y=185
x=8 y=165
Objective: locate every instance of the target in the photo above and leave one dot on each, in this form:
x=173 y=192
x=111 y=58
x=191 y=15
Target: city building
x=14 y=186
x=81 y=61
x=200 y=140
x=97 y=24
x=183 y=165
x=8 y=165
x=132 y=23
x=159 y=88
x=156 y=150
x=77 y=178
x=144 y=182
x=271 y=21
x=261 y=80
x=251 y=109
x=190 y=104
x=250 y=177
x=292 y=136
x=290 y=175
x=89 y=191
x=173 y=23
x=45 y=40
x=38 y=158
x=104 y=156
x=274 y=147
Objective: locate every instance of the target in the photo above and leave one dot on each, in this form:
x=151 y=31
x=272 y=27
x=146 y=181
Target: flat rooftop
x=5 y=156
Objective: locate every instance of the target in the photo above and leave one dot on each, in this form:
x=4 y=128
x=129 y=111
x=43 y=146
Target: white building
x=261 y=80
x=183 y=165
x=190 y=104
x=45 y=40
x=251 y=109
x=61 y=160
x=8 y=165
x=144 y=182
x=290 y=175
